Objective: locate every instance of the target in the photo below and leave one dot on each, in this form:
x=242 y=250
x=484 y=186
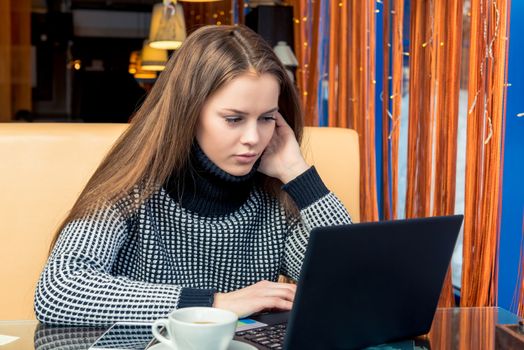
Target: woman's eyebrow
x=232 y=110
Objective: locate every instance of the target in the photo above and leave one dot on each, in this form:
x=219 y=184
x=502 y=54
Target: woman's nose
x=250 y=134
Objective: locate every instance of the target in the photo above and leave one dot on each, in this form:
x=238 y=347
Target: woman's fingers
x=284 y=290
x=258 y=297
x=277 y=295
x=276 y=303
x=281 y=125
x=290 y=286
x=282 y=293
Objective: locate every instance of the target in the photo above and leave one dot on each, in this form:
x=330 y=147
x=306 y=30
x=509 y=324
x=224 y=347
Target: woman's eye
x=268 y=118
x=233 y=120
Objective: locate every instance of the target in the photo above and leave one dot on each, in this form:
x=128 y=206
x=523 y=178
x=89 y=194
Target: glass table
x=452 y=328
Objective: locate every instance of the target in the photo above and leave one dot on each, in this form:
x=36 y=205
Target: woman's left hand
x=282 y=158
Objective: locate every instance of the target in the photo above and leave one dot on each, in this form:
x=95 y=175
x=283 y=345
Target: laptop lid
x=371 y=283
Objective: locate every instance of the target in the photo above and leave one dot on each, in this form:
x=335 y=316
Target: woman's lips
x=245 y=158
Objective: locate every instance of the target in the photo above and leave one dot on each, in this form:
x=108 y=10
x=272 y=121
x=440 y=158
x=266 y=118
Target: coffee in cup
x=197 y=328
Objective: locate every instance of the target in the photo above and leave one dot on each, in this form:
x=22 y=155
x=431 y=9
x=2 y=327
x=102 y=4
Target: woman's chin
x=239 y=170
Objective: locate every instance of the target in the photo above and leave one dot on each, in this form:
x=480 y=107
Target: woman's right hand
x=257 y=297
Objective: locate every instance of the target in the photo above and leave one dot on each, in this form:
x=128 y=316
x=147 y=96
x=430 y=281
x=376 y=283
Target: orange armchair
x=43 y=168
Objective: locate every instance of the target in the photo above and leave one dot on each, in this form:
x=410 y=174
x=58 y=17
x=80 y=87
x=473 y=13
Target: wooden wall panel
x=5 y=61
x=15 y=57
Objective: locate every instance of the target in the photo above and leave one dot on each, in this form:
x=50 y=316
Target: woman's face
x=237 y=122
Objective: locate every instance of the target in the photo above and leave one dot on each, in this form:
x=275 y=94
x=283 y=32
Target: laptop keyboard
x=271 y=337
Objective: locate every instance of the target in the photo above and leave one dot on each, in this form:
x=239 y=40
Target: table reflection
x=452 y=328
x=467 y=328
x=62 y=338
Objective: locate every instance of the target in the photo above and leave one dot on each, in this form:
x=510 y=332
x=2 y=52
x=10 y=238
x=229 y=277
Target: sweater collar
x=208 y=190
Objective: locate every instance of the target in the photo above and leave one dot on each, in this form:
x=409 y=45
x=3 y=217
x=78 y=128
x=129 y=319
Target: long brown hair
x=157 y=143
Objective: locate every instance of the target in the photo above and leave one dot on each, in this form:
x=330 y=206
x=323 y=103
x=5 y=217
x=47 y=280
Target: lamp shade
x=153 y=59
x=144 y=74
x=141 y=73
x=133 y=60
x=168 y=27
x=285 y=54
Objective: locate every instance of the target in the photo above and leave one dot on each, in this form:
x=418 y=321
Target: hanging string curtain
x=391 y=103
x=435 y=54
x=484 y=149
x=362 y=100
x=237 y=12
x=518 y=298
x=448 y=46
x=435 y=57
x=338 y=60
x=350 y=77
x=351 y=87
x=434 y=85
x=306 y=19
x=421 y=110
x=520 y=283
x=434 y=63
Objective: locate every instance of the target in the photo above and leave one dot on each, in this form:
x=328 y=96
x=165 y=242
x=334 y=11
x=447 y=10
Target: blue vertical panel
x=379 y=69
x=234 y=8
x=323 y=63
x=513 y=179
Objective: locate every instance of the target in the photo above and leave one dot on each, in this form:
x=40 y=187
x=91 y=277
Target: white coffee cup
x=197 y=328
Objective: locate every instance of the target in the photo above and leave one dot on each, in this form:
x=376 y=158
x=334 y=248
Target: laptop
x=363 y=284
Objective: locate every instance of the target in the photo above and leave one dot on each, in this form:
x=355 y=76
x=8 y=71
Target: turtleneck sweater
x=208 y=190
x=205 y=231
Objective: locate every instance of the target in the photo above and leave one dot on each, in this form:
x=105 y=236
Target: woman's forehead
x=247 y=92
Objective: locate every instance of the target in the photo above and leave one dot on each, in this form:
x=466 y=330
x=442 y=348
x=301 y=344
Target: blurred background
x=433 y=88
x=77 y=60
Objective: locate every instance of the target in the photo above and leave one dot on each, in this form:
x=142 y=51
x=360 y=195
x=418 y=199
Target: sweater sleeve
x=318 y=207
x=77 y=286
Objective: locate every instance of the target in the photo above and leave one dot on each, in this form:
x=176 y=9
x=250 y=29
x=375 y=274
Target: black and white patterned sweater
x=219 y=233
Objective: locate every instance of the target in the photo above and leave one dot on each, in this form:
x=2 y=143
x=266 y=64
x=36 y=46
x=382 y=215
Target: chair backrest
x=44 y=167
x=335 y=154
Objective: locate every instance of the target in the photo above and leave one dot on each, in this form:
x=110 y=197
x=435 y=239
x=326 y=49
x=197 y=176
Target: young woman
x=204 y=201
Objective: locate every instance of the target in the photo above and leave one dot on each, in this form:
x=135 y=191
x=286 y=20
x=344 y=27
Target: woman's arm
x=77 y=286
x=318 y=207
x=283 y=160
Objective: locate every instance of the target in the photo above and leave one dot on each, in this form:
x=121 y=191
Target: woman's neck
x=206 y=189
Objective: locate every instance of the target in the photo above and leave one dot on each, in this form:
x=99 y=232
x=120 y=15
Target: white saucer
x=234 y=345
